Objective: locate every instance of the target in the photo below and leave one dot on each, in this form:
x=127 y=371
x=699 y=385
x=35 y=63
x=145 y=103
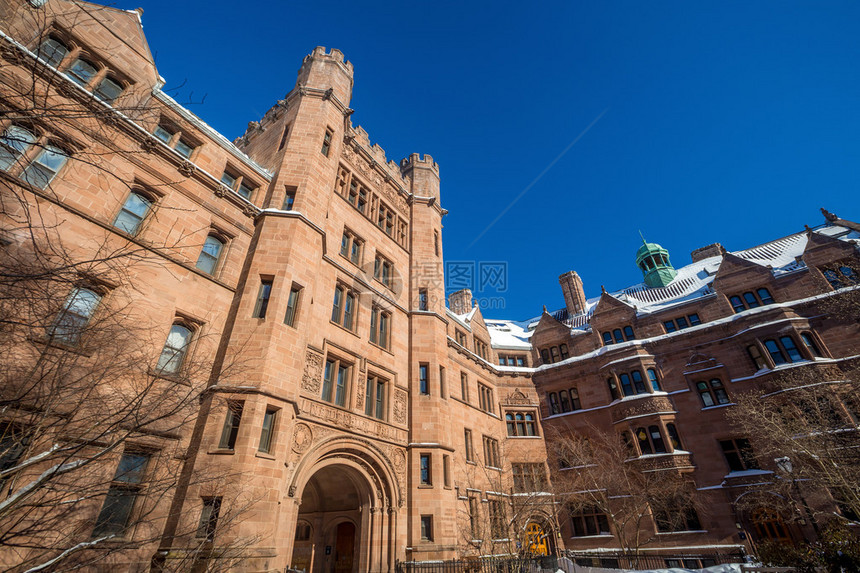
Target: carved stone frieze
x=148 y=144
x=351 y=422
x=221 y=190
x=249 y=211
x=186 y=168
x=517 y=398
x=312 y=376
x=359 y=398
x=641 y=406
x=400 y=406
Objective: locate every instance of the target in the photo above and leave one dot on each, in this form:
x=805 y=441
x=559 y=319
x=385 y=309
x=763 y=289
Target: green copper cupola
x=653 y=261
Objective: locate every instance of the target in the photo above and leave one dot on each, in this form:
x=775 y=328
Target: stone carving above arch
x=312 y=376
x=517 y=398
x=303 y=437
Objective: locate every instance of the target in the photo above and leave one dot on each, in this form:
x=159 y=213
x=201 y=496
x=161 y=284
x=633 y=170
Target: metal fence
x=648 y=560
x=481 y=565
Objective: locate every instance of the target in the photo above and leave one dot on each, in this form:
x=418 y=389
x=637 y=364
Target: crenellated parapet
x=416 y=160
x=334 y=56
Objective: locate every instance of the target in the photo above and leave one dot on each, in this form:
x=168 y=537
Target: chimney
x=574 y=296
x=712 y=250
x=460 y=302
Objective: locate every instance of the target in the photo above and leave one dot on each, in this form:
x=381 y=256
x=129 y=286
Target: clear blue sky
x=724 y=121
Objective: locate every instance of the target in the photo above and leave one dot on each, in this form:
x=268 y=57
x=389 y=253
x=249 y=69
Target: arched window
x=712 y=393
x=655 y=381
x=564 y=351
x=512 y=426
x=553 y=403
x=175 y=349
x=210 y=254
x=775 y=353
x=574 y=399
x=756 y=356
x=617 y=335
x=769 y=525
x=521 y=424
x=638 y=382
x=108 y=89
x=565 y=402
x=76 y=314
x=809 y=342
x=751 y=300
x=53 y=51
x=613 y=388
x=628 y=333
x=554 y=353
x=607 y=338
x=737 y=303
x=544 y=355
x=764 y=295
x=82 y=72
x=673 y=436
x=791 y=348
x=45 y=166
x=133 y=212
x=14 y=143
x=626 y=386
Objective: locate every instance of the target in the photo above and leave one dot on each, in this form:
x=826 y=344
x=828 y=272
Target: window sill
x=524 y=437
x=426 y=486
x=682 y=532
x=264 y=455
x=221 y=452
x=717 y=406
x=602 y=535
x=472 y=462
x=382 y=348
x=176 y=378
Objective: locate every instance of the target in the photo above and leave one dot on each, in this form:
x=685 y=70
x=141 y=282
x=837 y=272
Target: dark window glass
x=565 y=402
x=564 y=351
x=682 y=322
x=644 y=442
x=694 y=319
x=292 y=306
x=775 y=353
x=657 y=439
x=669 y=325
x=268 y=430
x=230 y=431
x=751 y=300
x=628 y=333
x=574 y=399
x=809 y=342
x=626 y=386
x=764 y=295
x=655 y=381
x=638 y=382
x=737 y=303
x=423 y=383
x=607 y=338
x=425 y=469
x=791 y=348
x=673 y=436
x=617 y=335
x=613 y=388
x=263 y=298
x=208 y=518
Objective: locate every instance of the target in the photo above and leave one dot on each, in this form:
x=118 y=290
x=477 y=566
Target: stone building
x=361 y=420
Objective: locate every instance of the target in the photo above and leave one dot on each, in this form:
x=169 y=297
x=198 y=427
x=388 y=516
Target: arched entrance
x=536 y=539
x=347 y=517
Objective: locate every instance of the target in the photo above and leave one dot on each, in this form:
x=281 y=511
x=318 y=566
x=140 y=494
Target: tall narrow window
x=423 y=382
x=809 y=342
x=737 y=303
x=175 y=349
x=470 y=451
x=209 y=518
x=756 y=357
x=575 y=404
x=653 y=379
x=326 y=145
x=230 y=430
x=82 y=72
x=76 y=314
x=375 y=397
x=613 y=388
x=657 y=440
x=436 y=242
x=739 y=455
x=340 y=387
x=44 y=168
x=712 y=392
x=133 y=213
x=425 y=470
x=464 y=386
x=426 y=528
x=626 y=386
x=108 y=90
x=343 y=307
x=565 y=402
x=443 y=390
x=14 y=143
x=751 y=300
x=765 y=296
x=116 y=512
x=292 y=305
x=673 y=436
x=638 y=382
x=775 y=352
x=268 y=430
x=790 y=348
x=628 y=333
x=289 y=199
x=474 y=517
x=422 y=299
x=263 y=295
x=210 y=254
x=284 y=137
x=553 y=403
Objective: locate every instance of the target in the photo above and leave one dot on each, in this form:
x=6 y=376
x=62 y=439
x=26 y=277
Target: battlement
x=416 y=160
x=377 y=153
x=335 y=55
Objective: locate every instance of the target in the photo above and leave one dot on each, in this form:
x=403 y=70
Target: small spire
x=643 y=237
x=544 y=309
x=602 y=289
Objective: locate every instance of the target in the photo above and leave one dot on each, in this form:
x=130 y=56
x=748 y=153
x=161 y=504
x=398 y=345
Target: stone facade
x=361 y=420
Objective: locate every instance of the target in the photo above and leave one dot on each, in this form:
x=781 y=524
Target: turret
x=424 y=173
x=653 y=261
x=327 y=71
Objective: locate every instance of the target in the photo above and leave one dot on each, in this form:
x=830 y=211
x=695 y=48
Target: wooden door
x=536 y=539
x=344 y=547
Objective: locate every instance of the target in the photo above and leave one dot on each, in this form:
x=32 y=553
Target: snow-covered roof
x=509 y=334
x=693 y=281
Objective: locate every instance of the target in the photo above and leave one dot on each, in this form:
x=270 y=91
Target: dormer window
x=173 y=138
x=237 y=183
x=53 y=51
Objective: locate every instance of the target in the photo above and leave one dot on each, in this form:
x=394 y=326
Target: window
x=284 y=137
x=481 y=349
x=210 y=254
x=682 y=322
x=303 y=531
x=380 y=326
x=474 y=517
x=383 y=270
x=756 y=357
x=564 y=351
x=14 y=143
x=737 y=303
x=82 y=72
x=13 y=442
x=423 y=382
x=335 y=382
x=53 y=51
x=461 y=338
x=44 y=168
x=614 y=392
x=589 y=521
x=238 y=183
x=553 y=404
x=426 y=528
x=485 y=398
x=841 y=276
x=564 y=401
x=464 y=386
x=127 y=483
x=650 y=440
x=268 y=431
x=292 y=305
x=425 y=469
x=422 y=299
x=326 y=145
x=350 y=247
x=785 y=348
x=520 y=424
x=574 y=400
x=790 y=348
x=289 y=199
x=374 y=397
x=739 y=455
x=674 y=439
x=633 y=384
x=262 y=304
x=809 y=342
x=446 y=470
x=108 y=89
x=172 y=137
x=712 y=393
x=385 y=219
x=357 y=195
x=607 y=338
x=133 y=212
x=507 y=360
x=209 y=518
x=230 y=430
x=653 y=379
x=491 y=452
x=443 y=391
x=764 y=296
x=529 y=477
x=677 y=517
x=75 y=316
x=343 y=307
x=618 y=335
x=628 y=333
x=436 y=242
x=750 y=300
x=498 y=520
x=175 y=349
x=761 y=297
x=470 y=451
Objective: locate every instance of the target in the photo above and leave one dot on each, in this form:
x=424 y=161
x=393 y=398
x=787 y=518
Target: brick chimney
x=712 y=250
x=460 y=302
x=574 y=296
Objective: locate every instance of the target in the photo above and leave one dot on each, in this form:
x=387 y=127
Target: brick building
x=360 y=419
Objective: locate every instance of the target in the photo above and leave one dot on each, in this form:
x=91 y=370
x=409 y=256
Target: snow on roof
x=509 y=334
x=693 y=281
